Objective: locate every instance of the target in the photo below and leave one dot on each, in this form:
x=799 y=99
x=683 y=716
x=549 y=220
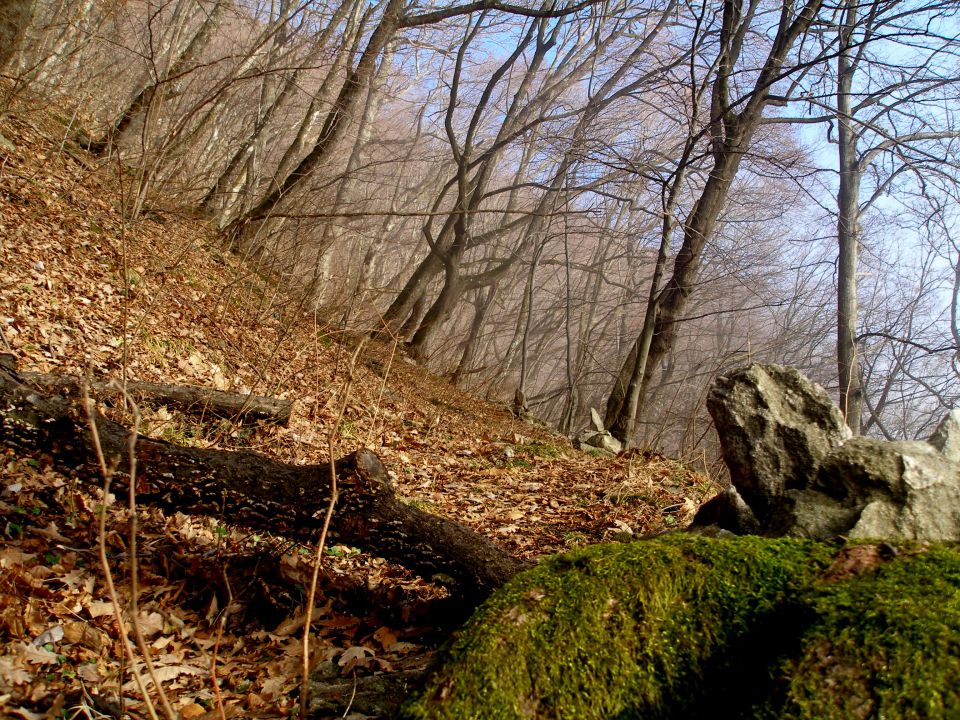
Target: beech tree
x=579 y=46
x=15 y=16
x=881 y=96
x=396 y=16
x=736 y=111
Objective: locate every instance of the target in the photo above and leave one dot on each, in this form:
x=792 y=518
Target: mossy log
x=188 y=398
x=249 y=489
x=689 y=627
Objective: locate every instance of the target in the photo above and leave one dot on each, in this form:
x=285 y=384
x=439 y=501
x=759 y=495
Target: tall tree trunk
x=219 y=194
x=397 y=317
x=624 y=400
x=698 y=228
x=848 y=231
x=178 y=66
x=323 y=96
x=441 y=308
x=731 y=133
x=371 y=108
x=626 y=397
x=523 y=325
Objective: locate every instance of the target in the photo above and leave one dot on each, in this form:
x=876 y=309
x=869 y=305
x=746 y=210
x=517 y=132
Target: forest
x=562 y=206
x=355 y=355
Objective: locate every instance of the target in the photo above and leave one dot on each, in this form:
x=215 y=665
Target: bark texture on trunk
x=848 y=230
x=252 y=490
x=188 y=398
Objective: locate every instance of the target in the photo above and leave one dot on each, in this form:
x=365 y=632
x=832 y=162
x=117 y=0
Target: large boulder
x=775 y=427
x=681 y=627
x=797 y=472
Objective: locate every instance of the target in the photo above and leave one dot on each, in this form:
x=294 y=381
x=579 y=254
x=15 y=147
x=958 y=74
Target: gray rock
x=904 y=489
x=596 y=420
x=815 y=515
x=602 y=440
x=946 y=438
x=796 y=471
x=775 y=428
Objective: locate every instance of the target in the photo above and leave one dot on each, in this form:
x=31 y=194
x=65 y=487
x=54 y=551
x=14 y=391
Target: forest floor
x=84 y=293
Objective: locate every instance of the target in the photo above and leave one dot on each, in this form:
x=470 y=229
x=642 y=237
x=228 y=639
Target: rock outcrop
x=796 y=471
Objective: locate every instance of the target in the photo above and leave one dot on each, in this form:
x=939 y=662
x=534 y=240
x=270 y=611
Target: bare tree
x=734 y=118
x=395 y=17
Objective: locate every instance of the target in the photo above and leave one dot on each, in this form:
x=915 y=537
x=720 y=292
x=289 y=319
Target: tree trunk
x=441 y=309
x=353 y=28
x=219 y=194
x=187 y=398
x=470 y=346
x=730 y=133
x=848 y=232
x=252 y=490
x=144 y=97
x=412 y=295
x=626 y=398
x=337 y=119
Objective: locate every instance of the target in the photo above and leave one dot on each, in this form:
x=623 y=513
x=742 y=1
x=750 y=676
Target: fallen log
x=251 y=490
x=189 y=398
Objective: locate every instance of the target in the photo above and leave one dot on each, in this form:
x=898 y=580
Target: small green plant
x=520 y=463
x=348 y=429
x=342 y=551
x=424 y=505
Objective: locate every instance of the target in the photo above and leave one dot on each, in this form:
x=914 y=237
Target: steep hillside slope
x=82 y=292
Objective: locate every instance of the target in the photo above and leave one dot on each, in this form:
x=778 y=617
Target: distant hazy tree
x=15 y=16
x=396 y=16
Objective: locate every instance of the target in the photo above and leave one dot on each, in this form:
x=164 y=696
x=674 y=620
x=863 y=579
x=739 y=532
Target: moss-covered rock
x=686 y=627
x=885 y=644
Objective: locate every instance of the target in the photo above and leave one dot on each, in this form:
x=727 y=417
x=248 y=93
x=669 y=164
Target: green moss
x=687 y=627
x=886 y=644
x=620 y=631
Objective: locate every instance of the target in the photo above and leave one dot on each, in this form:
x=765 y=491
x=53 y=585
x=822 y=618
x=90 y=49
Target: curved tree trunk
x=473 y=337
x=337 y=118
x=142 y=100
